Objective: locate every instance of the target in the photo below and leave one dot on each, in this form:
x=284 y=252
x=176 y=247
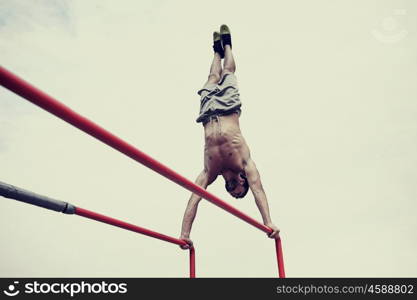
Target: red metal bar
x=115 y=222
x=36 y=96
x=192 y=262
x=48 y=103
x=280 y=258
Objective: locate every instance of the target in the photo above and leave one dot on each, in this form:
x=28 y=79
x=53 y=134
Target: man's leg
x=215 y=69
x=229 y=65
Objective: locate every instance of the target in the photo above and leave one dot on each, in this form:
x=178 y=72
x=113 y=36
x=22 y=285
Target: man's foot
x=225 y=36
x=217 y=44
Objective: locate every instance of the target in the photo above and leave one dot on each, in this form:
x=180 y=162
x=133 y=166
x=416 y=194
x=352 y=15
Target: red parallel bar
x=118 y=223
x=36 y=96
x=192 y=262
x=48 y=103
x=280 y=258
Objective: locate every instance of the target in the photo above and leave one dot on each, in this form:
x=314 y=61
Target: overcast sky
x=329 y=112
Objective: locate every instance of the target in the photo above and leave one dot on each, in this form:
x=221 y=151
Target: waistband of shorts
x=216 y=116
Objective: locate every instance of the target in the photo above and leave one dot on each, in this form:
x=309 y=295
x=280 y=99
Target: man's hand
x=188 y=241
x=275 y=231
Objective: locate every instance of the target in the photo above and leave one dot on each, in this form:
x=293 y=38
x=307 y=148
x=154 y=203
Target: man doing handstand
x=226 y=152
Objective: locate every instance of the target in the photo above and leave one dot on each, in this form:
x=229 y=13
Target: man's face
x=239 y=190
x=236 y=185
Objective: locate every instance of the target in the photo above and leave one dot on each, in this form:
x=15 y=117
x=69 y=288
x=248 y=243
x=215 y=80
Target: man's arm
x=191 y=210
x=254 y=180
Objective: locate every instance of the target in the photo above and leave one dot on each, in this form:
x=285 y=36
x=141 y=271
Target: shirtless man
x=226 y=152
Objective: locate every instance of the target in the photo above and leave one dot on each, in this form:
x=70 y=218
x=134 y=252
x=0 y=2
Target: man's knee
x=228 y=70
x=213 y=78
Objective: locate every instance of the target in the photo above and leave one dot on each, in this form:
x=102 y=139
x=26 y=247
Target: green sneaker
x=225 y=35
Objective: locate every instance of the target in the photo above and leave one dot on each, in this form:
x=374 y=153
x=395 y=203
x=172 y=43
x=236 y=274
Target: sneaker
x=217 y=44
x=225 y=35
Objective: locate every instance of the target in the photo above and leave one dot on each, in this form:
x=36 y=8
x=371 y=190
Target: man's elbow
x=257 y=189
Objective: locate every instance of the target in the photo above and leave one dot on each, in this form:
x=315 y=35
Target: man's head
x=236 y=184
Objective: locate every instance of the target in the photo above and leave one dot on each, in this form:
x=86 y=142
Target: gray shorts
x=219 y=99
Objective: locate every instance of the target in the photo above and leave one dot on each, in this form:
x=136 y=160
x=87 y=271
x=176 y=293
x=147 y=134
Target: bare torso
x=225 y=148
